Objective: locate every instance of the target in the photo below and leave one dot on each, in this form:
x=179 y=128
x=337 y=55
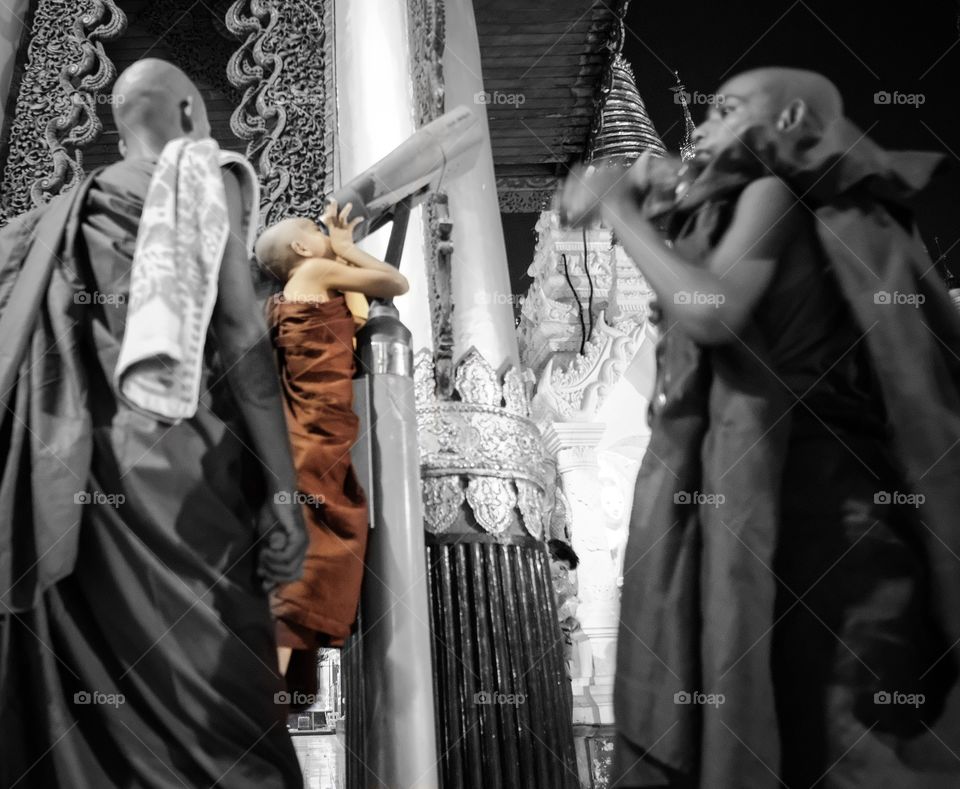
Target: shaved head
x=274 y=249
x=781 y=86
x=155 y=102
x=797 y=108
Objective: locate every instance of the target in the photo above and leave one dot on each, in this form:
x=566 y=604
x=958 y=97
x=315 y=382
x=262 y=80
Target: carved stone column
x=487 y=482
x=593 y=416
x=598 y=494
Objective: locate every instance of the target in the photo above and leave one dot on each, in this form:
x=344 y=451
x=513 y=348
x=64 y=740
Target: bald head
x=781 y=87
x=274 y=249
x=155 y=102
x=796 y=107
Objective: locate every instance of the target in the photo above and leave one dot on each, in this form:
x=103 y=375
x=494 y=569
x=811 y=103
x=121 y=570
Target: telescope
x=444 y=148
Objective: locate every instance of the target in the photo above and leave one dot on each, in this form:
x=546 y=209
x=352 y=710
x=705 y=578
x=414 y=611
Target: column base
x=503 y=704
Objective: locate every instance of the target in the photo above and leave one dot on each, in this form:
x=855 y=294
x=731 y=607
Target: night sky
x=910 y=48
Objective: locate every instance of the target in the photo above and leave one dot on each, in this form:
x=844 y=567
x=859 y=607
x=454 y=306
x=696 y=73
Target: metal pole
x=399 y=739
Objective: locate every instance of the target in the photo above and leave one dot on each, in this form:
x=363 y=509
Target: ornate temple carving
x=427 y=26
x=530 y=194
x=481 y=449
x=560 y=296
x=284 y=68
x=55 y=115
x=427 y=41
x=578 y=390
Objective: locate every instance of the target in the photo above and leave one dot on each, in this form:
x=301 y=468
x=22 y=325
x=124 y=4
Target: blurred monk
x=789 y=600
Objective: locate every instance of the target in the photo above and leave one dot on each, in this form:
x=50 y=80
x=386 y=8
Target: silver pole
x=399 y=747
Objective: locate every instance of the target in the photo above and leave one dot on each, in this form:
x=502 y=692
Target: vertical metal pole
x=399 y=749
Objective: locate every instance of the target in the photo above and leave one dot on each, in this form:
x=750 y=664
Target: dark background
x=863 y=47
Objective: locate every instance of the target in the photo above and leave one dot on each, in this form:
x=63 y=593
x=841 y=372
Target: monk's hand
x=588 y=189
x=340 y=227
x=282 y=540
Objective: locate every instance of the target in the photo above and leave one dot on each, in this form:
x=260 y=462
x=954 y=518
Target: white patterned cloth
x=173 y=287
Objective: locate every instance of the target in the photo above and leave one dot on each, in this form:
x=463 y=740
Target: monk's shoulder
x=772 y=204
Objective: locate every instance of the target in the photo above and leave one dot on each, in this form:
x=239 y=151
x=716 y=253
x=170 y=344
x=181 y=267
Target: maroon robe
x=790 y=604
x=314 y=343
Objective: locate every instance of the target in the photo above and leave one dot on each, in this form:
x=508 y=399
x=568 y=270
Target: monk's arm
x=246 y=351
x=354 y=269
x=714 y=303
x=374 y=282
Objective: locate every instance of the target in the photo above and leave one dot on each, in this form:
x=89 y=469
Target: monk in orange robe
x=313 y=326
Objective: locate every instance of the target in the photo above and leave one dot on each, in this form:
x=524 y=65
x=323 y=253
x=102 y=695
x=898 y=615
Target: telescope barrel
x=443 y=149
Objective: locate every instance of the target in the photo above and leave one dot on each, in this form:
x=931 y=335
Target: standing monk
x=312 y=325
x=142 y=445
x=791 y=580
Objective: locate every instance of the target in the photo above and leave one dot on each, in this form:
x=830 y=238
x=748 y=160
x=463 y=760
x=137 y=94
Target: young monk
x=313 y=331
x=797 y=628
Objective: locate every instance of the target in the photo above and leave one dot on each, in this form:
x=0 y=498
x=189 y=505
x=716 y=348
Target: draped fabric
x=778 y=576
x=151 y=661
x=173 y=281
x=314 y=342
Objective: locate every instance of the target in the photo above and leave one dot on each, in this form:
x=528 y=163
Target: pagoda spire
x=689 y=148
x=622 y=129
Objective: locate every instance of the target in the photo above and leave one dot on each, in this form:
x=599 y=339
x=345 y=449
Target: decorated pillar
x=502 y=705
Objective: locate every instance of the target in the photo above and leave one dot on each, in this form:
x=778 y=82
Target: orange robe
x=314 y=345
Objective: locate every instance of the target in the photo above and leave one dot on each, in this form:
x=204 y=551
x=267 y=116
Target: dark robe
x=795 y=599
x=143 y=654
x=314 y=343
